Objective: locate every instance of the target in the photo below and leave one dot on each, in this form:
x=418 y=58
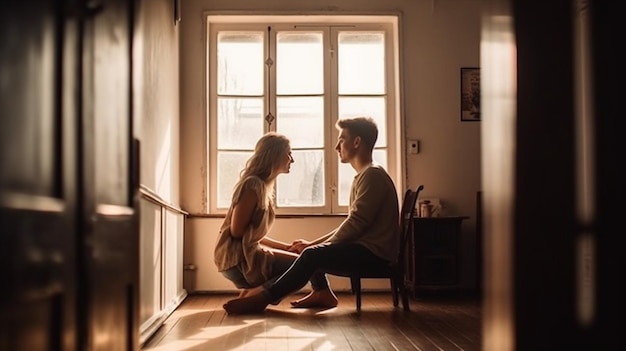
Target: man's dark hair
x=364 y=127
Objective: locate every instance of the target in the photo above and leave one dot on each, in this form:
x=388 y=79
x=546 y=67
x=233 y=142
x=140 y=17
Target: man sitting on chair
x=368 y=237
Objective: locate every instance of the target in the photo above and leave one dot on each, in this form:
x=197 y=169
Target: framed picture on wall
x=470 y=94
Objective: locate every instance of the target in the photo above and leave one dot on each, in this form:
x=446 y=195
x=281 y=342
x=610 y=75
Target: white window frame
x=396 y=154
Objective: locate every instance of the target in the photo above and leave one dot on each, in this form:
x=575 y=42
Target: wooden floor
x=434 y=323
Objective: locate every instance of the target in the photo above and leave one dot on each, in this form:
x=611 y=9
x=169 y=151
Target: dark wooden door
x=110 y=250
x=68 y=180
x=38 y=174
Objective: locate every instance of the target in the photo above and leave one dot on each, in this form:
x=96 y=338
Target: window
x=298 y=77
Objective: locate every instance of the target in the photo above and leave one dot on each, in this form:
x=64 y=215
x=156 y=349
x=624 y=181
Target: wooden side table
x=433 y=253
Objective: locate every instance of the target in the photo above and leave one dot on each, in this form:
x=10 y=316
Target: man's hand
x=299 y=245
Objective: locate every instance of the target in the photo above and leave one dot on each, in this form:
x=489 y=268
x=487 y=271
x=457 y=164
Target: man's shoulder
x=376 y=174
x=376 y=171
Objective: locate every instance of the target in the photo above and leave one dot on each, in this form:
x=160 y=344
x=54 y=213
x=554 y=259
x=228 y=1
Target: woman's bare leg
x=251 y=291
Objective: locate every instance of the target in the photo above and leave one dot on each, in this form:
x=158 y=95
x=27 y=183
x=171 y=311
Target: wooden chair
x=394 y=271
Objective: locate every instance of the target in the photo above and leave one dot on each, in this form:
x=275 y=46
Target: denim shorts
x=234 y=275
x=279 y=266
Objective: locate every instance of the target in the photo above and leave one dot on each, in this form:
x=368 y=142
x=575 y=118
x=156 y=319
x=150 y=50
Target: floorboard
x=441 y=323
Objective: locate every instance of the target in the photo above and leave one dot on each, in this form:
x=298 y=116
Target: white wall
x=156 y=122
x=438 y=38
x=156 y=98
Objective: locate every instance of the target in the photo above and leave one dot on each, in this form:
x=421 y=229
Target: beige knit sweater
x=373 y=214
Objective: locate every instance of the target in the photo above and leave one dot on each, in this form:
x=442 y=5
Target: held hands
x=299 y=245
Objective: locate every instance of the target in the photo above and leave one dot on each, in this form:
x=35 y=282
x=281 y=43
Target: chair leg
x=405 y=297
x=394 y=291
x=356 y=289
x=405 y=302
x=354 y=284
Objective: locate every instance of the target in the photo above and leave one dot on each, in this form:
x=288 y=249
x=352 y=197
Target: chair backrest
x=406 y=219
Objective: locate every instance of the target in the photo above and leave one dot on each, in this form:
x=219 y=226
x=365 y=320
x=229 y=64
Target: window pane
x=380 y=157
x=288 y=71
x=240 y=63
x=229 y=165
x=367 y=106
x=361 y=63
x=302 y=120
x=299 y=63
x=304 y=185
x=347 y=173
x=239 y=122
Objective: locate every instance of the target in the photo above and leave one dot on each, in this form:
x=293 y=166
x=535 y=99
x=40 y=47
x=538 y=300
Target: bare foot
x=247 y=305
x=317 y=299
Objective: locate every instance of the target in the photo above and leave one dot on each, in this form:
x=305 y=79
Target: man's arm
x=369 y=196
x=323 y=238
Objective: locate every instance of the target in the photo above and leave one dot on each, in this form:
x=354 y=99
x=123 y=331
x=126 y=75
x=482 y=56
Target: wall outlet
x=413 y=146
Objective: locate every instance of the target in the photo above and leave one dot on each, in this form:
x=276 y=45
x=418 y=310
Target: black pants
x=319 y=260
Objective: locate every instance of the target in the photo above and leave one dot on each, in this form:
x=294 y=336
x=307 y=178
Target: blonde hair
x=268 y=155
